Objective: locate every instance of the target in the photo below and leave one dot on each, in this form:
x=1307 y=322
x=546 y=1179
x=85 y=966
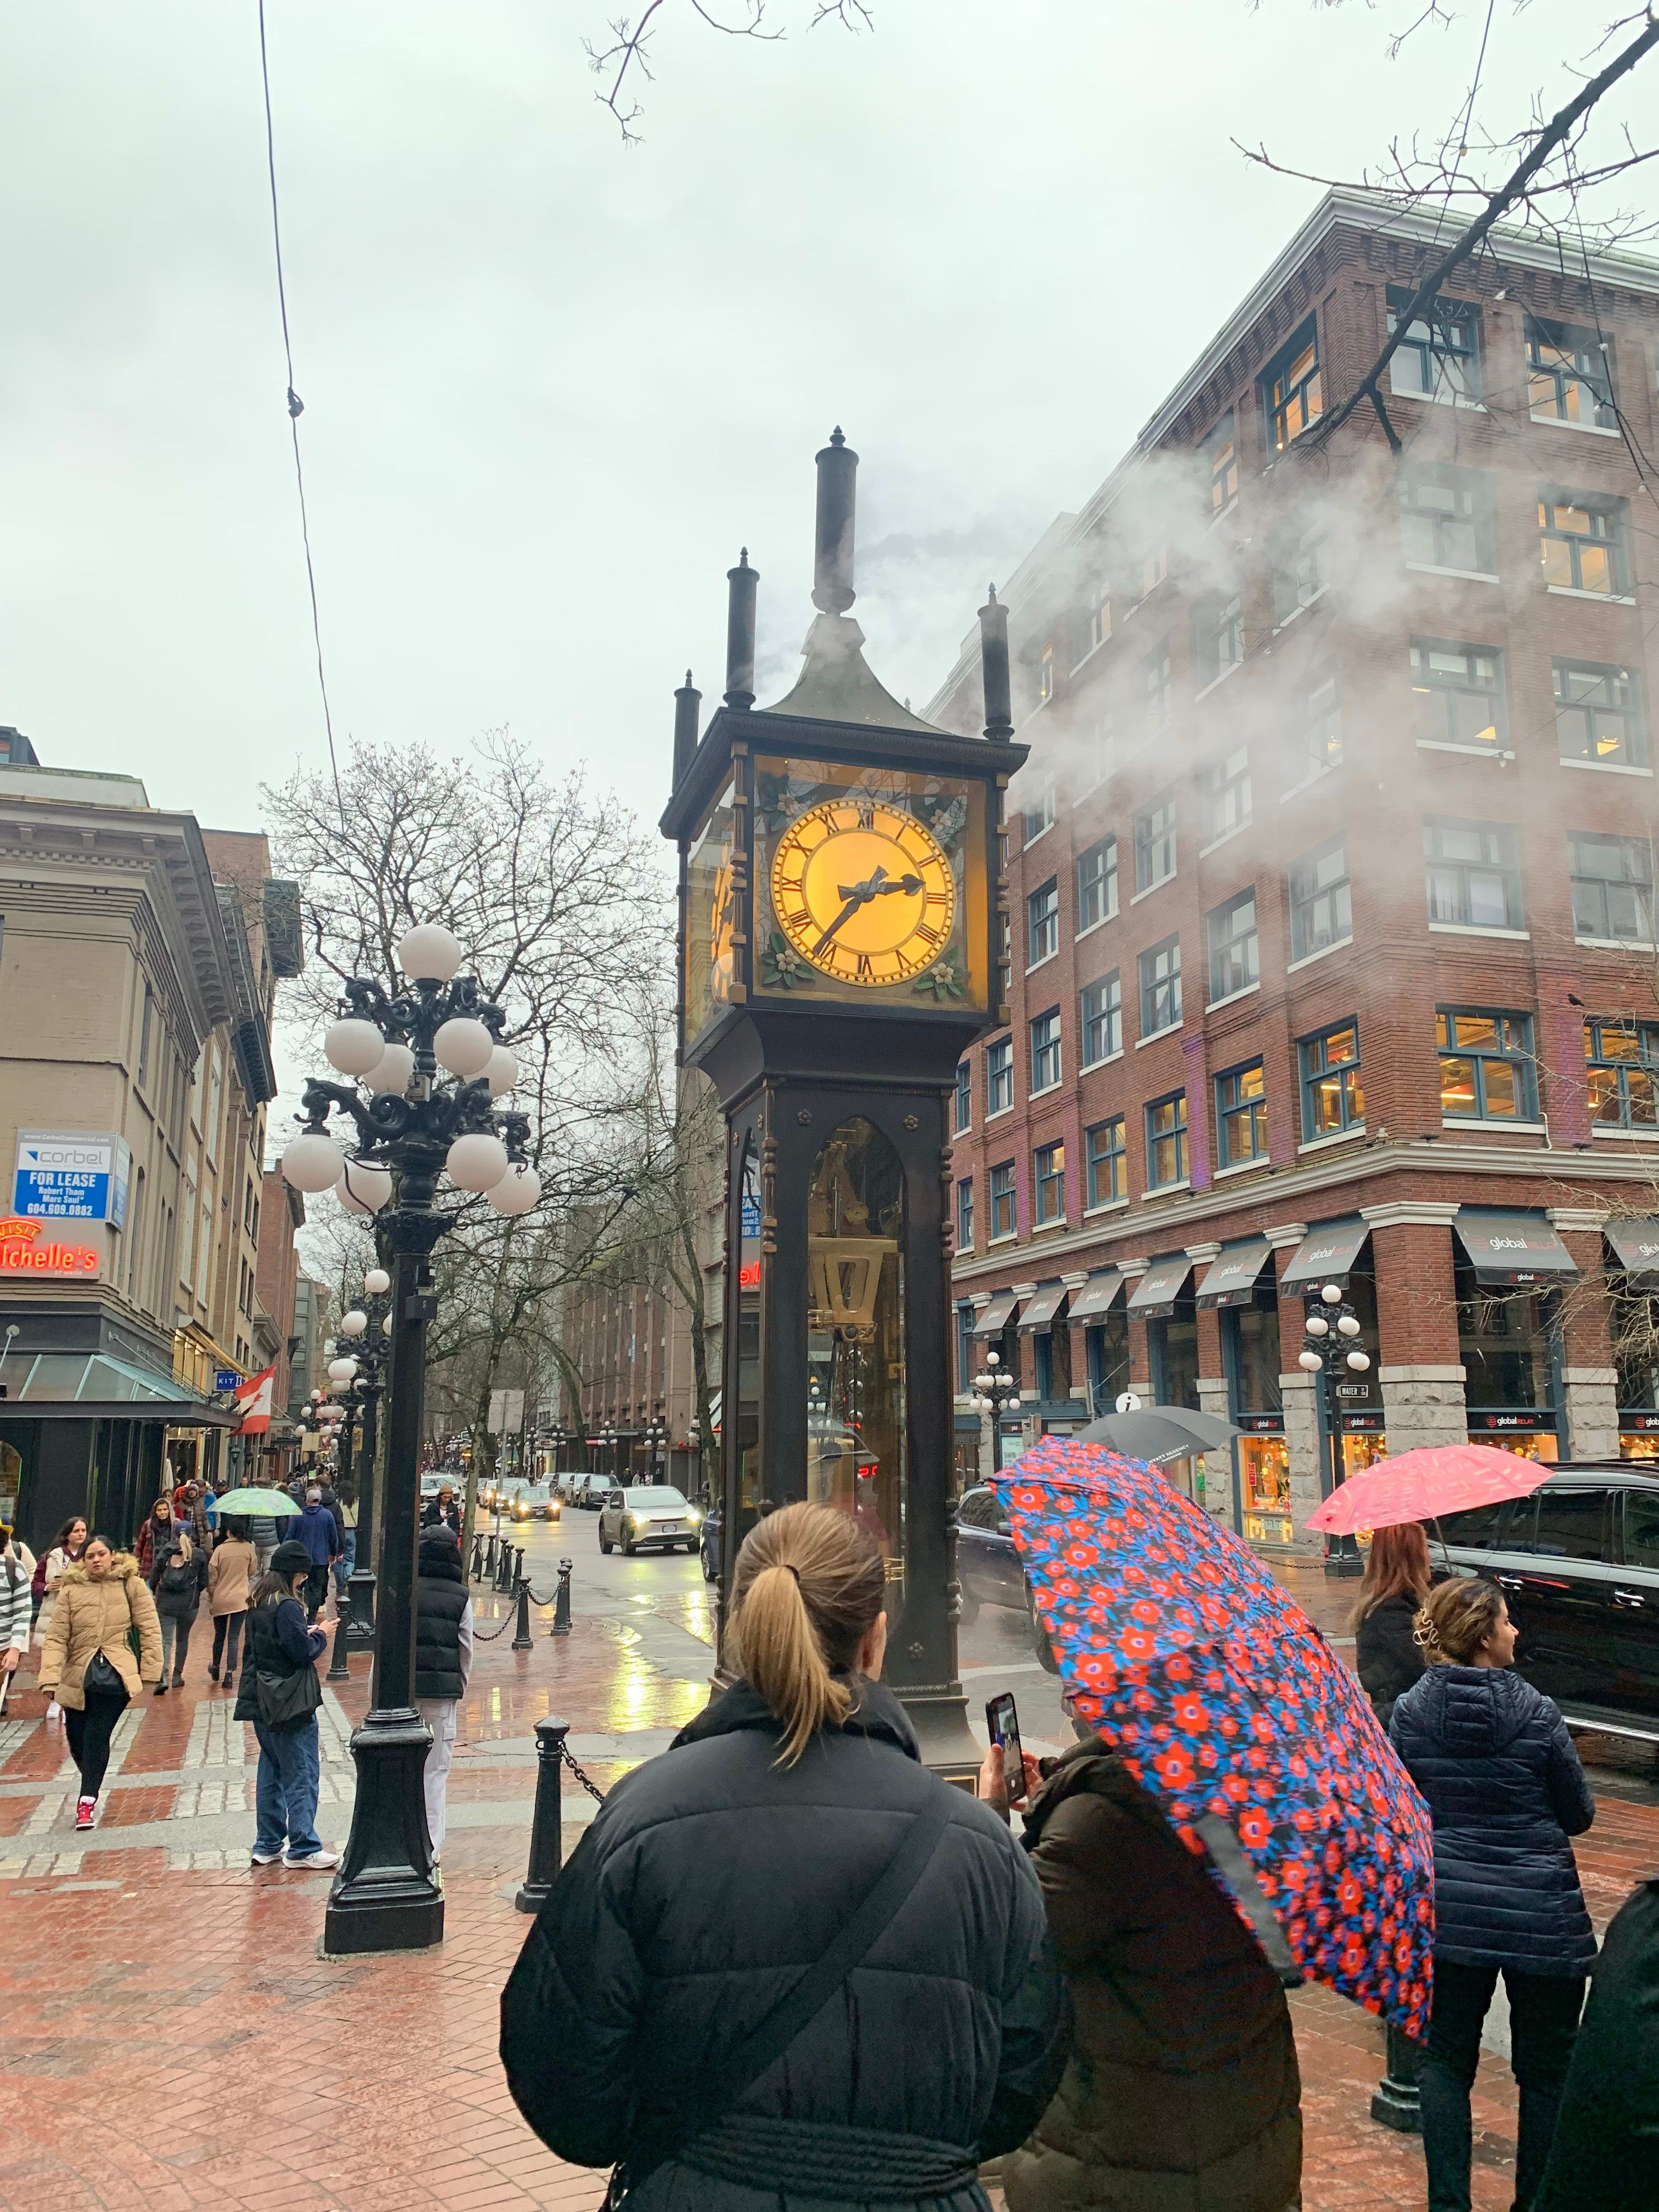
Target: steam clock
x=841 y=923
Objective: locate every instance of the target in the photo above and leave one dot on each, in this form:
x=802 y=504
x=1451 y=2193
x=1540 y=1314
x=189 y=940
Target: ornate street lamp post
x=367 y=1329
x=656 y=1438
x=608 y=1446
x=411 y=1128
x=1331 y=1350
x=994 y=1389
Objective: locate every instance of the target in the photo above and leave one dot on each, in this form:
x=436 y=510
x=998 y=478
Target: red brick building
x=1331 y=931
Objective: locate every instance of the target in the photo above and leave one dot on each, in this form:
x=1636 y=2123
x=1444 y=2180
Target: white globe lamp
x=313 y=1162
x=476 y=1161
x=1359 y=1361
x=1310 y=1361
x=1317 y=1325
x=503 y=1070
x=464 y=1046
x=363 y=1189
x=377 y=1282
x=430 y=953
x=341 y=1370
x=354 y=1323
x=1332 y=1294
x=1348 y=1325
x=518 y=1191
x=393 y=1073
x=353 y=1046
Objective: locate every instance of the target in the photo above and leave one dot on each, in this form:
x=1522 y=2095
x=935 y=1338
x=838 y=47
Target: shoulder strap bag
x=773 y=2036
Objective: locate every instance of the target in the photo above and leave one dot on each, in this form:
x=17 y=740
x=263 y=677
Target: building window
x=1150 y=570
x=147 y=1016
x=1230 y=931
x=1005 y=965
x=1321 y=911
x=1102 y=1019
x=1042 y=921
x=1611 y=888
x=966 y=1361
x=1100 y=612
x=965 y=1214
x=1097 y=760
x=1160 y=693
x=1042 y=815
x=1473 y=872
x=1046 y=673
x=1316 y=741
x=1290 y=392
x=1301 y=569
x=1457 y=696
x=1219 y=455
x=1045 y=1051
x=999 y=1075
x=1438 y=358
x=1049 y=1182
x=1446 y=519
x=1333 y=1095
x=1581 y=544
x=1002 y=1200
x=1598 y=713
x=1155 y=843
x=1096 y=884
x=1166 y=1141
x=1108 y=1161
x=1241 y=1115
x=1486 y=1071
x=1570 y=375
x=1160 y=987
x=1227 y=794
x=1621 y=1057
x=1218 y=636
x=964 y=1109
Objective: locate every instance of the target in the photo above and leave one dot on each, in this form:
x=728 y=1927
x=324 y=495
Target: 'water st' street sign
x=71 y=1175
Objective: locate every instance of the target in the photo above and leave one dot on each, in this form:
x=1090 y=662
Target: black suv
x=988 y=1567
x=1578 y=1565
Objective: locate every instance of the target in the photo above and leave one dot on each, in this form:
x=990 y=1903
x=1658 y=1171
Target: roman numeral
x=866 y=814
x=929 y=935
x=864 y=973
x=937 y=898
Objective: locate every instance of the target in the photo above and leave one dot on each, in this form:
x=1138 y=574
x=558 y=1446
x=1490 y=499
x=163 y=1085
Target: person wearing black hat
x=281 y=1651
x=443 y=1660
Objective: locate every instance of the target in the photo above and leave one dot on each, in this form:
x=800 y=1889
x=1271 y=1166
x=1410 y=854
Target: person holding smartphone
x=1182 y=2090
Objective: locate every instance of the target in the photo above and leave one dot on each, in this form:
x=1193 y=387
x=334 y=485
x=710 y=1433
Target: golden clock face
x=863 y=892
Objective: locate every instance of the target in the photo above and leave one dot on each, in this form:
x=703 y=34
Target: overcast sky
x=551 y=384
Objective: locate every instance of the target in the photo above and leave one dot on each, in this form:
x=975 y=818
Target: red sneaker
x=84 y=1809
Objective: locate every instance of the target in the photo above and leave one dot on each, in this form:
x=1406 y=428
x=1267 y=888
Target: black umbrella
x=1153 y=1433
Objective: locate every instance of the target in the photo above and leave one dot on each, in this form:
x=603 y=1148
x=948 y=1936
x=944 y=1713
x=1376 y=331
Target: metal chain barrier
x=490 y=1636
x=587 y=1780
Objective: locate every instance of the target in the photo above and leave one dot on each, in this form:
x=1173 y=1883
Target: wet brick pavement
x=173 y=2039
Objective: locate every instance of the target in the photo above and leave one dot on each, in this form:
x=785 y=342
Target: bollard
x=546 y=1828
x=1395 y=2102
x=504 y=1568
x=521 y=1633
x=518 y=1564
x=337 y=1669
x=562 y=1604
x=477 y=1557
x=490 y=1556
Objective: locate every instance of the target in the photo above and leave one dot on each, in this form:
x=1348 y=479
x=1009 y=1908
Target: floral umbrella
x=1179 y=1647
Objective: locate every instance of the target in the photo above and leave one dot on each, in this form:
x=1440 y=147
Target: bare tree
x=623 y=57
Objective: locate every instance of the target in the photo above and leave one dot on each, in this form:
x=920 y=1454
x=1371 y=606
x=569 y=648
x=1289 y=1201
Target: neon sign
x=22 y=1251
x=749 y=1275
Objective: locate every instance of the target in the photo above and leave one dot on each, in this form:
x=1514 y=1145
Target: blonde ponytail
x=807 y=1589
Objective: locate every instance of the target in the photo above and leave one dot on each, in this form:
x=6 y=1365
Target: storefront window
x=1250 y=1335
x=1053 y=1362
x=1173 y=1347
x=1108 y=1361
x=1264 y=1464
x=1503 y=1342
x=11 y=1481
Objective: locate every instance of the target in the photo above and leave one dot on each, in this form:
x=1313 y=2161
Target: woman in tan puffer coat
x=98 y=1602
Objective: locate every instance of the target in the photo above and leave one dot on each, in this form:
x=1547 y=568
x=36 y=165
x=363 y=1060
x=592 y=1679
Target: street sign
x=1353 y=1389
x=505 y=1414
x=225 y=1378
x=71 y=1175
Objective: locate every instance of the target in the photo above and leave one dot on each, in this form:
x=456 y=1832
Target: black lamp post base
x=939 y=1718
x=359 y=1628
x=1396 y=2101
x=387 y=1896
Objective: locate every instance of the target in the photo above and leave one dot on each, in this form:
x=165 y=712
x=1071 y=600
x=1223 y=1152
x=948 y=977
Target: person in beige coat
x=230 y=1572
x=98 y=1602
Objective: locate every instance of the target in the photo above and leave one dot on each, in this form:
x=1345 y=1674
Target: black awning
x=1327 y=1254
x=1154 y=1296
x=1232 y=1277
x=1513 y=1250
x=1038 y=1318
x=1095 y=1299
x=997 y=1315
x=1635 y=1243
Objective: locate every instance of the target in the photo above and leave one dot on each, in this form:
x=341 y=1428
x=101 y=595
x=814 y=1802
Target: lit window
x=999 y=1075
x=1473 y=872
x=1096 y=884
x=1613 y=888
x=1102 y=1019
x=1581 y=544
x=1230 y=930
x=1166 y=1141
x=1487 y=1071
x=965 y=1214
x=1598 y=713
x=1227 y=794
x=1155 y=843
x=964 y=1112
x=1108 y=1161
x=1333 y=1095
x=1048 y=1182
x=1316 y=736
x=1241 y=1115
x=1218 y=636
x=1437 y=358
x=1002 y=1200
x=1160 y=987
x=1042 y=921
x=1301 y=567
x=1321 y=909
x=1160 y=692
x=1456 y=694
x=1045 y=1051
x=1621 y=1058
x=1100 y=612
x=1219 y=453
x=1570 y=375
x=1446 y=519
x=1290 y=392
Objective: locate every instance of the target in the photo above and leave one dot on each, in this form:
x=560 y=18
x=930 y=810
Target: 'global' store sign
x=30 y=1247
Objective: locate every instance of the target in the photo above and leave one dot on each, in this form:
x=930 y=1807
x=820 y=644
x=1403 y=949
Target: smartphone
x=1002 y=1723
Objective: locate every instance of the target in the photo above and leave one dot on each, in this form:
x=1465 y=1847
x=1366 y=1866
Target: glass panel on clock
x=709 y=918
x=855 y=1391
x=747 y=1410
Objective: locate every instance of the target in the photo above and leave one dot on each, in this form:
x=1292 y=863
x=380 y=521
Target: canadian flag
x=253 y=1397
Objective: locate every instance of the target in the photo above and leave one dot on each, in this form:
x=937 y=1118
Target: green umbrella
x=275 y=1505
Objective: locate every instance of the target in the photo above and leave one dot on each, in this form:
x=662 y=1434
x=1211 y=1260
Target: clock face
x=863 y=892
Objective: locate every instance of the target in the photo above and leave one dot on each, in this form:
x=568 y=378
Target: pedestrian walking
x=1181 y=2090
x=346 y=1514
x=159 y=1527
x=177 y=1587
x=231 y=1573
x=442 y=1511
x=1606 y=2132
x=50 y=1569
x=1492 y=1758
x=280 y=1694
x=1388 y=1658
x=443 y=1661
x=190 y=1512
x=262 y=1530
x=17 y=1603
x=89 y=1666
x=314 y=1527
x=880 y=1927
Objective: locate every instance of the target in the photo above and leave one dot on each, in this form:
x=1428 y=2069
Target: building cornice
x=1412 y=1213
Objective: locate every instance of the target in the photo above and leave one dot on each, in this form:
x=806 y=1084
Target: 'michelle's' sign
x=31 y=1247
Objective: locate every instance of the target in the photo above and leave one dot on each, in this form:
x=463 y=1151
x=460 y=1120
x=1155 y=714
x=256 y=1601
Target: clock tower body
x=842 y=921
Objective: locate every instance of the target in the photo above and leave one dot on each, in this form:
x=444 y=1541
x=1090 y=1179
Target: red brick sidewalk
x=173 y=2039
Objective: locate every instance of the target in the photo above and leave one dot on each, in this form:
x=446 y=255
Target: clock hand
x=855 y=897
x=910 y=883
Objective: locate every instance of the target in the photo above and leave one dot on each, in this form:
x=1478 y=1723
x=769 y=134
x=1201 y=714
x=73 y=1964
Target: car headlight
x=694 y=1519
x=636 y=1520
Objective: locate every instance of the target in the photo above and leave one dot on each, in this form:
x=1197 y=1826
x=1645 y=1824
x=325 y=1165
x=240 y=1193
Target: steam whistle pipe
x=993 y=663
x=832 y=565
x=686 y=703
x=739 y=640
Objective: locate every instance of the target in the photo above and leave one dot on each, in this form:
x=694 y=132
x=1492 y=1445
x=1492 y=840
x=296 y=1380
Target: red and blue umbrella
x=1225 y=1701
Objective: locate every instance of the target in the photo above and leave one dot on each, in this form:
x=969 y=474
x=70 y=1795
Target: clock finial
x=740 y=634
x=994 y=666
x=686 y=703
x=832 y=567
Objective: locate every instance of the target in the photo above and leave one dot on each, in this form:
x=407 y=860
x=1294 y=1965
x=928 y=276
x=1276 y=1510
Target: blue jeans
x=345 y=1564
x=285 y=1788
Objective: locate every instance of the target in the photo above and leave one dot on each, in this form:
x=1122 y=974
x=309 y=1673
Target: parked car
x=591 y=1491
x=639 y=1519
x=518 y=1499
x=988 y=1567
x=1578 y=1565
x=564 y=1484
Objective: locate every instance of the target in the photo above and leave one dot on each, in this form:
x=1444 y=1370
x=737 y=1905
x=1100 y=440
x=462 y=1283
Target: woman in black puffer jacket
x=1493 y=1759
x=712 y=1883
x=1387 y=1657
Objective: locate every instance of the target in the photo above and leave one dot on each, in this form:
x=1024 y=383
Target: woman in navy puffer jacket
x=1492 y=1757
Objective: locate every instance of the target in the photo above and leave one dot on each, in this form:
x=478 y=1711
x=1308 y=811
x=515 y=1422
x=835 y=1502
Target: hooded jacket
x=315 y=1528
x=441 y=1604
x=94 y=1616
x=710 y=1878
x=1492 y=1758
x=1181 y=2093
x=178 y=1587
x=1605 y=2152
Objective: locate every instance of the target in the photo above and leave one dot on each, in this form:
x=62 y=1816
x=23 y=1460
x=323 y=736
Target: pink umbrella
x=1420 y=1485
